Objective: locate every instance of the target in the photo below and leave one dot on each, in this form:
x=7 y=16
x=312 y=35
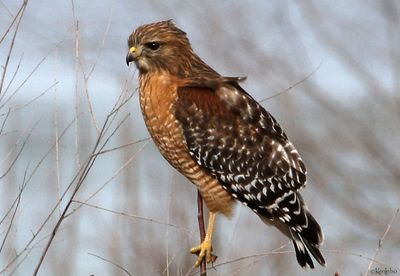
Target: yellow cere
x=132 y=49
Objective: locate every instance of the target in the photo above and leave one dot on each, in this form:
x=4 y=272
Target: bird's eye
x=152 y=45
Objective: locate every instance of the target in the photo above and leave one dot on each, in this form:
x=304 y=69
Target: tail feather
x=294 y=220
x=302 y=256
x=308 y=241
x=314 y=250
x=313 y=232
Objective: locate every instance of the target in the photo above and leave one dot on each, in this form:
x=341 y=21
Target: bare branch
x=200 y=218
x=13 y=215
x=20 y=151
x=133 y=216
x=270 y=253
x=111 y=178
x=26 y=182
x=111 y=262
x=381 y=240
x=28 y=103
x=124 y=146
x=23 y=7
x=81 y=176
x=17 y=16
x=294 y=85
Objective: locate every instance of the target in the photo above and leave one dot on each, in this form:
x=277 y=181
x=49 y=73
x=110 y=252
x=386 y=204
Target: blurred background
x=72 y=137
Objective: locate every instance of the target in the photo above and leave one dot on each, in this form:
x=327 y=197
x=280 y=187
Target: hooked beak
x=132 y=55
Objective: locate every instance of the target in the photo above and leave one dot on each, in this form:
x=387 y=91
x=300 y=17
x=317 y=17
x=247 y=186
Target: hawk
x=214 y=133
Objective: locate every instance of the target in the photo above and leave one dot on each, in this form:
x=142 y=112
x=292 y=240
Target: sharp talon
x=213 y=258
x=203 y=250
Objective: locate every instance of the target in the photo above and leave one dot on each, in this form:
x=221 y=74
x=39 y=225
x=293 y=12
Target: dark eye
x=152 y=45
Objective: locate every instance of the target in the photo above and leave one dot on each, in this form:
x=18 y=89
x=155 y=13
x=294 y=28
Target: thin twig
x=111 y=262
x=14 y=202
x=109 y=180
x=3 y=103
x=81 y=176
x=200 y=218
x=27 y=246
x=257 y=259
x=381 y=240
x=21 y=10
x=90 y=105
x=15 y=109
x=20 y=151
x=294 y=85
x=13 y=215
x=11 y=48
x=26 y=250
x=57 y=146
x=124 y=146
x=3 y=124
x=15 y=73
x=48 y=218
x=77 y=58
x=132 y=216
x=7 y=9
x=100 y=49
x=270 y=253
x=341 y=252
x=168 y=261
x=118 y=105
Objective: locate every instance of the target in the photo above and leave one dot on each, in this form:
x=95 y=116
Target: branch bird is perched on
x=221 y=139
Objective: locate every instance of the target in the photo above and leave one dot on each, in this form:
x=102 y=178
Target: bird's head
x=157 y=46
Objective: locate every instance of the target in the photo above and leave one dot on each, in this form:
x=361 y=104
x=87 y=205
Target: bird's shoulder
x=224 y=98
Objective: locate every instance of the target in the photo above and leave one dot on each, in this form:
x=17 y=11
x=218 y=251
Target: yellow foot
x=203 y=250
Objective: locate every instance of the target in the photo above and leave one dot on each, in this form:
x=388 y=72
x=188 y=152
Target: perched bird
x=214 y=133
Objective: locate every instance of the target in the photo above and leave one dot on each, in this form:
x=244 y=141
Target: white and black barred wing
x=241 y=144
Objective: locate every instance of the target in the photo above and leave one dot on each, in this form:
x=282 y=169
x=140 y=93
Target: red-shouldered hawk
x=220 y=138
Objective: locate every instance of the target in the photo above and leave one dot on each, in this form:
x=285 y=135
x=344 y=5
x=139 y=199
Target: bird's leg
x=205 y=248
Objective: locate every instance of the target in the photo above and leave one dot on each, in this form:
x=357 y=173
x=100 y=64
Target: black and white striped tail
x=308 y=241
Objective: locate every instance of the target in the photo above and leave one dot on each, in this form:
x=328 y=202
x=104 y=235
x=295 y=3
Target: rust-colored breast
x=158 y=95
